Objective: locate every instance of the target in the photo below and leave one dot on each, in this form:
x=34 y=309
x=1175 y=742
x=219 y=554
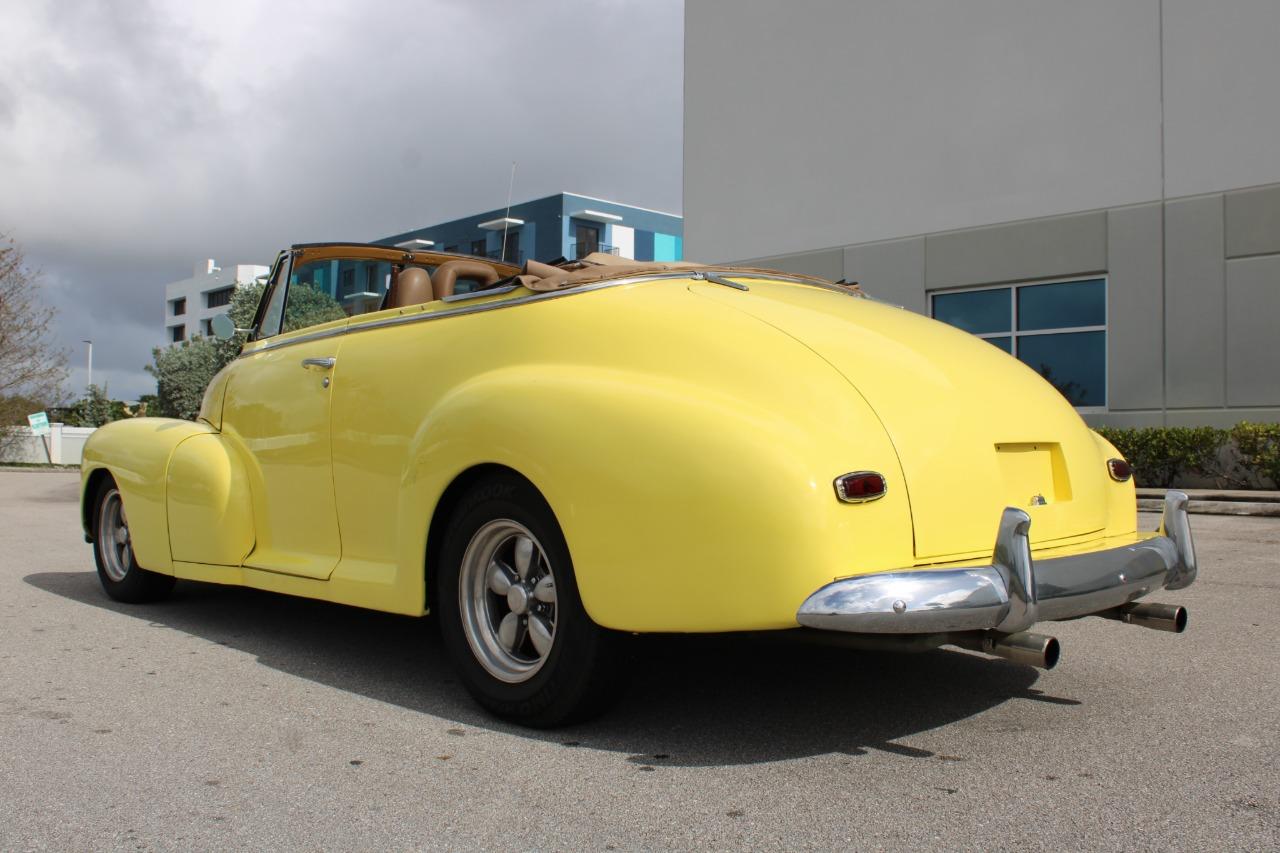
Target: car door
x=277 y=415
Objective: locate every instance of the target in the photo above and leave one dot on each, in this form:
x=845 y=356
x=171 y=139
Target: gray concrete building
x=1092 y=186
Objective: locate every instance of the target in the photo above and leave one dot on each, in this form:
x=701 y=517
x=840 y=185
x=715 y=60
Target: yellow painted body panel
x=136 y=452
x=685 y=435
x=976 y=430
x=210 y=512
x=211 y=402
x=275 y=417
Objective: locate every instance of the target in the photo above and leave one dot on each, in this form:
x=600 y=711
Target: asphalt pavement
x=235 y=719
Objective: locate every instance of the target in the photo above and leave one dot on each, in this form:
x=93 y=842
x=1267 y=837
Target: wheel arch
x=92 y=484
x=448 y=503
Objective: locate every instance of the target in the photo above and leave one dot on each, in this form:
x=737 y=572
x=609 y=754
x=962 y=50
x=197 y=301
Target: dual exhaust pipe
x=1024 y=647
x=1160 y=617
x=1042 y=651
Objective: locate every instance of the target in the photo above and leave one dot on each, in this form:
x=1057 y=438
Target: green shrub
x=1159 y=455
x=1258 y=446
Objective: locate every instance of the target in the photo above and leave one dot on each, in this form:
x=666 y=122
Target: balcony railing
x=581 y=250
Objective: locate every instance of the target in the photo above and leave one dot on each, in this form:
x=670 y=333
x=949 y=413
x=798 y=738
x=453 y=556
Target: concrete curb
x=40 y=469
x=1217 y=502
x=1247 y=495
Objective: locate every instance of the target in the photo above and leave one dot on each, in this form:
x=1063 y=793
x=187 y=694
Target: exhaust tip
x=1028 y=649
x=1052 y=652
x=1159 y=617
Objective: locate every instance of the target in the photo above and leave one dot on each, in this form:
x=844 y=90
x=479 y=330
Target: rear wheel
x=510 y=613
x=118 y=569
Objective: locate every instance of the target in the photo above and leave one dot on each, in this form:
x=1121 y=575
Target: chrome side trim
x=1012 y=593
x=476 y=294
x=525 y=300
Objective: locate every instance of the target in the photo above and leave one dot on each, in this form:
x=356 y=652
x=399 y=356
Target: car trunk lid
x=975 y=430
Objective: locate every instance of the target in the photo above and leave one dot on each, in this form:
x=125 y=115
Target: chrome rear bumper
x=1012 y=593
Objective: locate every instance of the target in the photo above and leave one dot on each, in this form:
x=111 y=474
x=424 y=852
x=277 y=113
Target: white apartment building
x=191 y=304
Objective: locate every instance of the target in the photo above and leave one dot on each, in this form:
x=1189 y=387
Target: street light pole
x=90 y=382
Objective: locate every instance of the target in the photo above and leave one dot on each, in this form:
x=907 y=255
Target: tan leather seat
x=447 y=274
x=412 y=287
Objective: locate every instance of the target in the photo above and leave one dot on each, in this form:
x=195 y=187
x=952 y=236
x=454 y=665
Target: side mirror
x=223 y=328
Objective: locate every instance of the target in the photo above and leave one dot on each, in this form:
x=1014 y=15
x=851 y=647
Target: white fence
x=62 y=446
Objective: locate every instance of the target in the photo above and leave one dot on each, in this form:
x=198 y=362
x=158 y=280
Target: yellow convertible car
x=551 y=457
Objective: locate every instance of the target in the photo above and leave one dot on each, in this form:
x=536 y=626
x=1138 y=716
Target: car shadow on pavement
x=693 y=700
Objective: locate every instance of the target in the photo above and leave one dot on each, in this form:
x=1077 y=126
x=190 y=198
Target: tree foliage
x=183 y=371
x=94 y=409
x=32 y=369
x=309 y=307
x=1244 y=457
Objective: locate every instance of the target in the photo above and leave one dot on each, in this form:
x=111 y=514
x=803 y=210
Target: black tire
x=118 y=569
x=583 y=672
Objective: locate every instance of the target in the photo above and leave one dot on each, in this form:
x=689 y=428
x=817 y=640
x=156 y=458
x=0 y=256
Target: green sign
x=39 y=423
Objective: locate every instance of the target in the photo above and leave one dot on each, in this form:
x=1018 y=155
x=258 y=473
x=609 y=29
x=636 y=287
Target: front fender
x=136 y=453
x=686 y=507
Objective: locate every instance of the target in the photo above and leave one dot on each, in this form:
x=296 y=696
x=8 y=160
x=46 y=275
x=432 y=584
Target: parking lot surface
x=230 y=718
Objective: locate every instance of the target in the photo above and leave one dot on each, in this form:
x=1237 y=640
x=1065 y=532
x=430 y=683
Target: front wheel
x=118 y=569
x=510 y=612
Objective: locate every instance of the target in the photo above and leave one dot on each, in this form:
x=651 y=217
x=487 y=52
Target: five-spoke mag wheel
x=113 y=537
x=507 y=596
x=510 y=612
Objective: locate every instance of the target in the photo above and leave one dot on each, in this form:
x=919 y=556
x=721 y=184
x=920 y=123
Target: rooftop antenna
x=506 y=220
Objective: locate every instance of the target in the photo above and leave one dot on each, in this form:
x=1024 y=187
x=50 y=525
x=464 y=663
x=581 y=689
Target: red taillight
x=860 y=486
x=1119 y=470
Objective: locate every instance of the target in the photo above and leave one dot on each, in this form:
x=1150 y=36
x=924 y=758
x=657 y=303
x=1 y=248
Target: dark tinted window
x=1064 y=305
x=220 y=297
x=1075 y=363
x=977 y=311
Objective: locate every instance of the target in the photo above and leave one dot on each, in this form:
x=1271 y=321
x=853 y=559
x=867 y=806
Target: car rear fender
x=685 y=509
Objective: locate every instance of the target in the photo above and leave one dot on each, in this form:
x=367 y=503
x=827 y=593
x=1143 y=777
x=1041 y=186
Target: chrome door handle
x=321 y=363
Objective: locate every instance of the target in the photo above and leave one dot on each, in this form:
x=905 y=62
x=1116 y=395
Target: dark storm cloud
x=138 y=138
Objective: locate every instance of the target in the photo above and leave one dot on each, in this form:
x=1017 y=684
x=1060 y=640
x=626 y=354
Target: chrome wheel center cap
x=518 y=599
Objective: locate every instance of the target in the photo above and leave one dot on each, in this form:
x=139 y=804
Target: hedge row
x=1245 y=456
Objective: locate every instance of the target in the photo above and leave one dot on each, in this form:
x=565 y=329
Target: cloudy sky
x=139 y=137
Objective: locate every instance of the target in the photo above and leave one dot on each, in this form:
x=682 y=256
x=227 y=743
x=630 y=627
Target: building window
x=1058 y=328
x=477 y=248
x=177 y=334
x=179 y=306
x=206 y=327
x=347 y=281
x=586 y=239
x=218 y=298
x=511 y=248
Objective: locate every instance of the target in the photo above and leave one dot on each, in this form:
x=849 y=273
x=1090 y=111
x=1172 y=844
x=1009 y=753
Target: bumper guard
x=1013 y=593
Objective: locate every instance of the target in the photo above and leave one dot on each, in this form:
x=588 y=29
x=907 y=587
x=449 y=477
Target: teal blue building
x=564 y=225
